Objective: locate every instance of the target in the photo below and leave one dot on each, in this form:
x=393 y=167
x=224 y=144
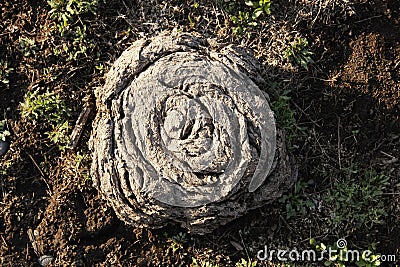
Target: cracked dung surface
x=183 y=133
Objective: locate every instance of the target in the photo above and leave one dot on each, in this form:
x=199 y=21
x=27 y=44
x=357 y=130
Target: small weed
x=177 y=241
x=101 y=68
x=46 y=164
x=242 y=20
x=340 y=256
x=80 y=160
x=245 y=19
x=75 y=42
x=48 y=74
x=27 y=46
x=5 y=165
x=180 y=238
x=4 y=71
x=80 y=43
x=284 y=115
x=64 y=11
x=59 y=135
x=296 y=201
x=357 y=198
x=78 y=50
x=260 y=7
x=48 y=108
x=4 y=133
x=191 y=22
x=81 y=163
x=246 y=263
x=203 y=263
x=299 y=53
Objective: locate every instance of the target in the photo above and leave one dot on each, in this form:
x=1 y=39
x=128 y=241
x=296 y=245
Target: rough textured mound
x=183 y=133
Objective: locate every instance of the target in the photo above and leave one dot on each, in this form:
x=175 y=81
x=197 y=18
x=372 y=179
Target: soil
x=346 y=103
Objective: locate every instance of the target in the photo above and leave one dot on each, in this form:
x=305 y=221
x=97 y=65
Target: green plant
x=49 y=74
x=260 y=7
x=82 y=160
x=3 y=172
x=80 y=43
x=5 y=165
x=299 y=53
x=177 y=241
x=357 y=198
x=340 y=256
x=64 y=11
x=59 y=135
x=49 y=109
x=246 y=263
x=101 y=68
x=73 y=53
x=242 y=20
x=284 y=115
x=4 y=133
x=245 y=19
x=74 y=43
x=296 y=201
x=4 y=71
x=203 y=263
x=180 y=238
x=27 y=46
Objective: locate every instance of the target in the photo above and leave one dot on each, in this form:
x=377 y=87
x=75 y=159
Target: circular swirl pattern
x=183 y=133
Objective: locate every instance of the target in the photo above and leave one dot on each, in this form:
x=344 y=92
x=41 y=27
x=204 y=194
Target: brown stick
x=78 y=129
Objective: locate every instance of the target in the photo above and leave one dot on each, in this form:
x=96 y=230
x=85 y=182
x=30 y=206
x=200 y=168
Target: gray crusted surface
x=183 y=133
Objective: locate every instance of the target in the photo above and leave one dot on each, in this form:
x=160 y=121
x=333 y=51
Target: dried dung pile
x=183 y=133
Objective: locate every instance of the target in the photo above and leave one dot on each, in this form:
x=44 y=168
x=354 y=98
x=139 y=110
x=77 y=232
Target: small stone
x=45 y=260
x=3 y=147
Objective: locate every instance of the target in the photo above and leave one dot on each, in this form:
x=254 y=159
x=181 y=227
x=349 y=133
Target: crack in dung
x=131 y=76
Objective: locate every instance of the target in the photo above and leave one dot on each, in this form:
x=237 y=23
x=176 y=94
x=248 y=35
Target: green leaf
x=70 y=10
x=257 y=12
